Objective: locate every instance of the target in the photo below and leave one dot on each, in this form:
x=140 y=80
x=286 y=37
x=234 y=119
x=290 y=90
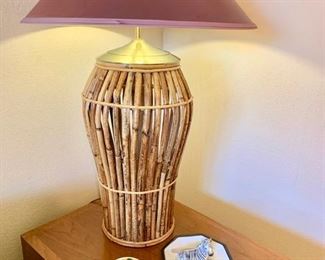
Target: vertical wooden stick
x=88 y=92
x=91 y=84
x=93 y=93
x=182 y=123
x=108 y=136
x=101 y=144
x=104 y=197
x=144 y=153
x=162 y=162
x=126 y=154
x=189 y=108
x=117 y=149
x=133 y=152
x=153 y=155
x=168 y=166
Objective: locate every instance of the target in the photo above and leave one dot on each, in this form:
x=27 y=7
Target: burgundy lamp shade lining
x=157 y=13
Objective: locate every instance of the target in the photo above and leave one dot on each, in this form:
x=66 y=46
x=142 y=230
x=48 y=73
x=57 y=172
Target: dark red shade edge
x=139 y=22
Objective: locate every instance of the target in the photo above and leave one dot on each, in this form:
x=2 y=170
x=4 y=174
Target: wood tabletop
x=79 y=236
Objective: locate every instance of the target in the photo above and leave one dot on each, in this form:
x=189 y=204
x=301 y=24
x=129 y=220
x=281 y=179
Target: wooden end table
x=79 y=236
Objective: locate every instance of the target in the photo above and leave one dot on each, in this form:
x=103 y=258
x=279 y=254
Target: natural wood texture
x=137 y=121
x=78 y=236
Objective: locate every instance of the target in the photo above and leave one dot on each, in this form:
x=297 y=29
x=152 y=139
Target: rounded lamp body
x=137 y=119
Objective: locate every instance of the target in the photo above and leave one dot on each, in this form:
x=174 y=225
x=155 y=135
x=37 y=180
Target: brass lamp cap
x=138 y=52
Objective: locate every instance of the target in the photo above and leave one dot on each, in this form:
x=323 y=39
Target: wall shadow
x=269 y=235
x=206 y=136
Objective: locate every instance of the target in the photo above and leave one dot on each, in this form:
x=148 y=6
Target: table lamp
x=137 y=108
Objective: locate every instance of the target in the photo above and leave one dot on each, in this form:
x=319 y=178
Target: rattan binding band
x=135 y=192
x=139 y=244
x=137 y=107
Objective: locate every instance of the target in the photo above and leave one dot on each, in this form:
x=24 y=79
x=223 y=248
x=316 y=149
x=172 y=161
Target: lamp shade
x=162 y=13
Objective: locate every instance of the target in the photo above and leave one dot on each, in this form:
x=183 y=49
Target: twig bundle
x=137 y=122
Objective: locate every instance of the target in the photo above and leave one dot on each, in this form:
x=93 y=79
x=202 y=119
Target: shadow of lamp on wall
x=137 y=108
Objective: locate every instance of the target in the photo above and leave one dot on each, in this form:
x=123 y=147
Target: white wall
x=255 y=156
x=46 y=164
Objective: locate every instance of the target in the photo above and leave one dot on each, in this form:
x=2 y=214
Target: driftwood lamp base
x=137 y=119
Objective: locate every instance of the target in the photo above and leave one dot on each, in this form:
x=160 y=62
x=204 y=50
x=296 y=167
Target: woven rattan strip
x=137 y=107
x=136 y=192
